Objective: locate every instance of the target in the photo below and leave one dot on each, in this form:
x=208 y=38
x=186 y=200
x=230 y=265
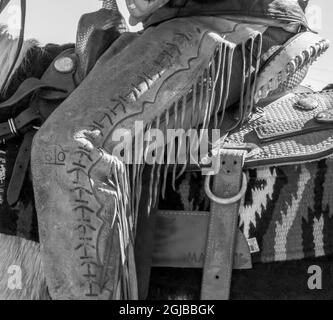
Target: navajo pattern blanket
x=287 y=212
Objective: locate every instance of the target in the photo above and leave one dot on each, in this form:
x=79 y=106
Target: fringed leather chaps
x=181 y=74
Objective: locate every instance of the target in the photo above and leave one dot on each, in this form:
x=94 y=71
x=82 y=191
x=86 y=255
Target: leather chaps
x=180 y=74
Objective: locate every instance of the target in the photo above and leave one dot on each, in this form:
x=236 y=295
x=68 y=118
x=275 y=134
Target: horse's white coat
x=18 y=252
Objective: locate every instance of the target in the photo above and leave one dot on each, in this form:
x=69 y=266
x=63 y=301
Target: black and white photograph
x=166 y=155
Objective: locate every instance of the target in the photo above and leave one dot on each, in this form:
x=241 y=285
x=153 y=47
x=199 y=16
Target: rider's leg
x=82 y=190
x=83 y=194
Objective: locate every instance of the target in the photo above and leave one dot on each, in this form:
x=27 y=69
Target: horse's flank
x=22 y=276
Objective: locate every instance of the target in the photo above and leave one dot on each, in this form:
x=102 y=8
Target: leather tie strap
x=20 y=169
x=222 y=229
x=12 y=127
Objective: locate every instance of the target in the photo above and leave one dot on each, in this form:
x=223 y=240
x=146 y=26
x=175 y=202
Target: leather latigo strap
x=20 y=169
x=290 y=130
x=223 y=226
x=13 y=127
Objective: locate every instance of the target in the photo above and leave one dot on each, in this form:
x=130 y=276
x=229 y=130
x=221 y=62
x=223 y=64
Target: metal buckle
x=228 y=201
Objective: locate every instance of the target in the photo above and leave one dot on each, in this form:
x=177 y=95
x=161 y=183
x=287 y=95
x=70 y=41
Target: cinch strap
x=223 y=226
x=12 y=127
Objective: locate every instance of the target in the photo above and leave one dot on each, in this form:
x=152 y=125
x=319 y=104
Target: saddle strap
x=222 y=229
x=13 y=127
x=20 y=169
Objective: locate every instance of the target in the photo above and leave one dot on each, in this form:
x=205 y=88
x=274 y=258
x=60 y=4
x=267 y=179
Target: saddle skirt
x=288 y=131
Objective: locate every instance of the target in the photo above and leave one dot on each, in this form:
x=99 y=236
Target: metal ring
x=227 y=201
x=12 y=126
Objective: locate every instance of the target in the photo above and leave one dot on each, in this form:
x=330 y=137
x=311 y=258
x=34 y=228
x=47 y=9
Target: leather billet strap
x=20 y=169
x=13 y=127
x=223 y=226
